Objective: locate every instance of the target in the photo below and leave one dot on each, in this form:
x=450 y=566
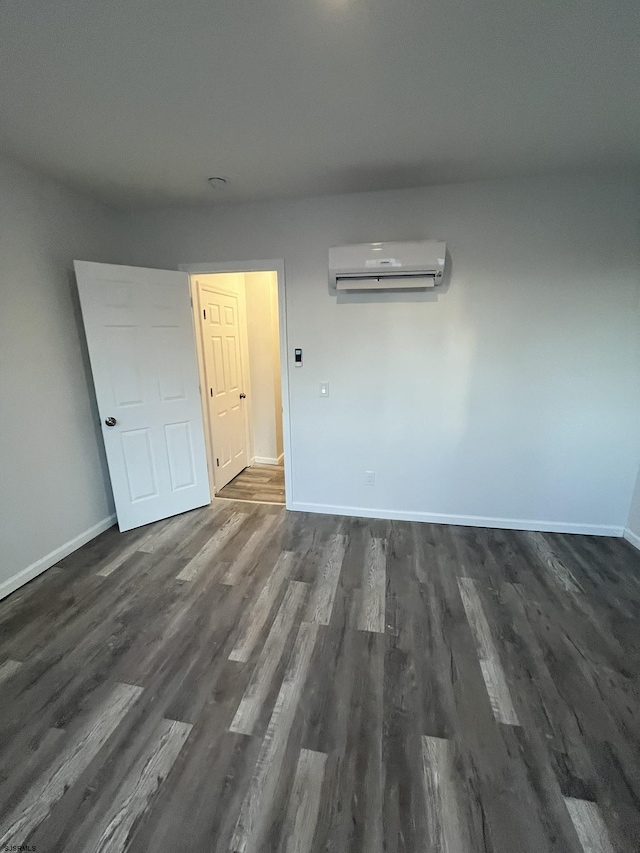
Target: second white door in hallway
x=221 y=316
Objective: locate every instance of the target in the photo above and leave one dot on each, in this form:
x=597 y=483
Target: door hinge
x=211 y=391
x=204 y=313
x=191 y=300
x=218 y=462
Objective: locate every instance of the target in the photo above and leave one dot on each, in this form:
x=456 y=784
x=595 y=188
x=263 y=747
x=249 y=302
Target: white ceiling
x=139 y=101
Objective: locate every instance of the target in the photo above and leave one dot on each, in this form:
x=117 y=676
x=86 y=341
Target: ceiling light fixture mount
x=217 y=183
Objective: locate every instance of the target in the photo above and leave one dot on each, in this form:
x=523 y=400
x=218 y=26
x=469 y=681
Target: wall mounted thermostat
x=297 y=357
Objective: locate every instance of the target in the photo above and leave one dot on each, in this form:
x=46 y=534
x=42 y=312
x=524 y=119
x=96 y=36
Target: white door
x=142 y=350
x=221 y=321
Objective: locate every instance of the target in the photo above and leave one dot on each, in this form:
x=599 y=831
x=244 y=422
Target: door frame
x=276 y=265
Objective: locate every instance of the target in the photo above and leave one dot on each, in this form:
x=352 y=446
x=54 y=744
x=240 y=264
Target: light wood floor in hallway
x=245 y=679
x=263 y=483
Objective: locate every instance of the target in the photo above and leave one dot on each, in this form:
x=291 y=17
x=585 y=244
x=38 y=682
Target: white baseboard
x=267 y=460
x=463 y=520
x=632 y=537
x=41 y=565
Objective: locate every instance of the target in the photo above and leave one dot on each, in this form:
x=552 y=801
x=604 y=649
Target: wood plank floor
x=244 y=679
x=264 y=483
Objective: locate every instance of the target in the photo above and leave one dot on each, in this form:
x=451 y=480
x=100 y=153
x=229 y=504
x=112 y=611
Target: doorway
x=236 y=315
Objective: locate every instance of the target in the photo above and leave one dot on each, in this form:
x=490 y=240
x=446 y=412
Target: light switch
x=324 y=389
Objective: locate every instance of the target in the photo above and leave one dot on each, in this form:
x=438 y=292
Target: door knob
x=110 y=422
x=243 y=396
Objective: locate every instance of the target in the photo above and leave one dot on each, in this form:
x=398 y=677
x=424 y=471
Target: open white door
x=142 y=350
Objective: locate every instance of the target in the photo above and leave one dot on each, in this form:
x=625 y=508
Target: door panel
x=180 y=455
x=138 y=460
x=142 y=351
x=171 y=370
x=221 y=334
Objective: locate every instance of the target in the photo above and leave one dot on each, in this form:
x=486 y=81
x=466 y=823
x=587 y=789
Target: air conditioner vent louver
x=387 y=266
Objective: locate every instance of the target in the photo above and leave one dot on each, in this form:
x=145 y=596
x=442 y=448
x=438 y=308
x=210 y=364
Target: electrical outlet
x=369 y=478
x=324 y=389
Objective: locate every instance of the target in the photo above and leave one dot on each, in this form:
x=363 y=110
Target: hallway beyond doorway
x=261 y=483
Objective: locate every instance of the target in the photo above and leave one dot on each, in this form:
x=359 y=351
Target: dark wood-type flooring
x=245 y=679
x=264 y=483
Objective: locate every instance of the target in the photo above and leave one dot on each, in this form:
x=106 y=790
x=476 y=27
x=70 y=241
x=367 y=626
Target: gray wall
x=507 y=397
x=55 y=487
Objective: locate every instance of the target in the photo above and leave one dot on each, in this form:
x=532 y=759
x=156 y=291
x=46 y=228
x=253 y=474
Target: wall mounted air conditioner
x=387 y=266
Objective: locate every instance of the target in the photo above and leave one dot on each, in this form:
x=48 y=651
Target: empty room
x=320 y=435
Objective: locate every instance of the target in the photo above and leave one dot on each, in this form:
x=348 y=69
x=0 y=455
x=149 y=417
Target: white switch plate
x=369 y=478
x=324 y=389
